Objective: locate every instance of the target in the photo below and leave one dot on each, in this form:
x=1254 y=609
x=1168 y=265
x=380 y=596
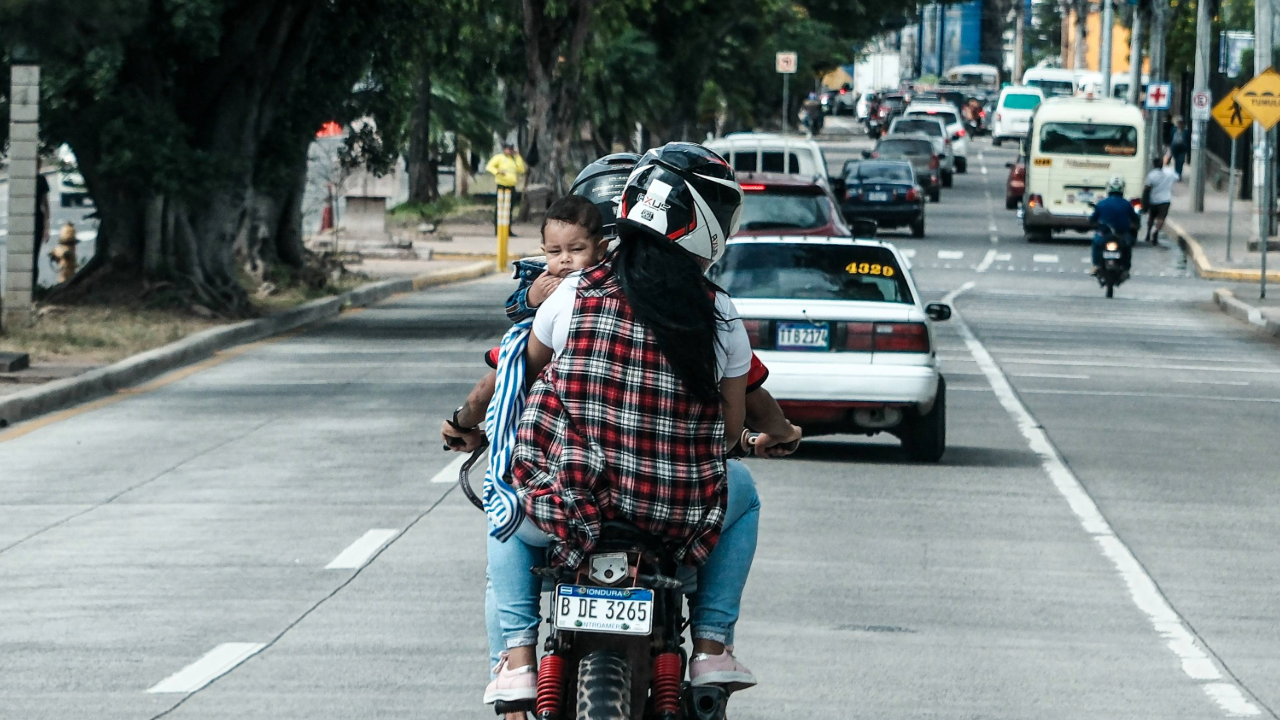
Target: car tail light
x=900 y=337
x=843 y=91
x=933 y=163
x=959 y=134
x=1035 y=201
x=752 y=188
x=858 y=336
x=1137 y=204
x=759 y=333
x=912 y=195
x=997 y=117
x=875 y=154
x=982 y=113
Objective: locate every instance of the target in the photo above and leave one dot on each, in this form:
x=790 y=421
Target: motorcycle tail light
x=759 y=333
x=858 y=336
x=1137 y=204
x=900 y=337
x=1113 y=246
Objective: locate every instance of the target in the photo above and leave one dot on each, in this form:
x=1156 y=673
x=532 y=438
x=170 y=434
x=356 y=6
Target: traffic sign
x=1158 y=95
x=785 y=63
x=1200 y=102
x=1233 y=118
x=1261 y=97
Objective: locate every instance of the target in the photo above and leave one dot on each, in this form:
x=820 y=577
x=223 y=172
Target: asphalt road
x=1098 y=541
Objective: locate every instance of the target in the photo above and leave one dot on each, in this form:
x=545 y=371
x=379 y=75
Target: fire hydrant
x=64 y=253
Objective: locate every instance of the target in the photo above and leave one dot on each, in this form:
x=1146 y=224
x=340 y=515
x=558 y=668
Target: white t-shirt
x=1161 y=182
x=551 y=327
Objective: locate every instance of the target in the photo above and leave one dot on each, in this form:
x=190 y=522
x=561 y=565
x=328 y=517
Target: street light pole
x=1262 y=200
x=1135 y=58
x=1203 y=32
x=1104 y=49
x=1019 y=39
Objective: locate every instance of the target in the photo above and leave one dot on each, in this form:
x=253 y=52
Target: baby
x=572 y=240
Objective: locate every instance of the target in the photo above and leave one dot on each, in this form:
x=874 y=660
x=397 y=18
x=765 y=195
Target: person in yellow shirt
x=506 y=168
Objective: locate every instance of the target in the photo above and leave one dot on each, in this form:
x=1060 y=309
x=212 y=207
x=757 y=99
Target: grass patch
x=435 y=211
x=99 y=335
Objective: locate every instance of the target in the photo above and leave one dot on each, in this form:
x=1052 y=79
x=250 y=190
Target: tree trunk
x=553 y=57
x=424 y=186
x=1081 y=8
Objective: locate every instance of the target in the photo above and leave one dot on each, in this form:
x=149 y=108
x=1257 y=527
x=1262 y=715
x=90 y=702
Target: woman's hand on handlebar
x=461 y=441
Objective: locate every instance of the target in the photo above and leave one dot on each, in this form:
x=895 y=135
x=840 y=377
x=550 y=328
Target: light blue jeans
x=512 y=593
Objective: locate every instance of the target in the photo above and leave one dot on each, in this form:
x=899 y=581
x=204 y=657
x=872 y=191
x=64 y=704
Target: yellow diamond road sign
x=1261 y=97
x=1232 y=116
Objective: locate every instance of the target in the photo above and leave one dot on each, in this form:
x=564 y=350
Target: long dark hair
x=670 y=296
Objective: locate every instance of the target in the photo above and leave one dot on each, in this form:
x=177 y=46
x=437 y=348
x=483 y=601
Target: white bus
x=986 y=77
x=1051 y=81
x=1075 y=146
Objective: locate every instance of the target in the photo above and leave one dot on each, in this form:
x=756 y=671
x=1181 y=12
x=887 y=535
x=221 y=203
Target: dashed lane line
x=950 y=254
x=1044 y=258
x=986 y=261
x=358 y=553
x=450 y=472
x=1194 y=655
x=214 y=664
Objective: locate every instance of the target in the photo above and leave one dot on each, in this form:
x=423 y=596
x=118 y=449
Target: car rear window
x=1089 y=139
x=1054 y=87
x=769 y=161
x=780 y=210
x=944 y=115
x=928 y=127
x=1021 y=101
x=888 y=172
x=905 y=147
x=811 y=272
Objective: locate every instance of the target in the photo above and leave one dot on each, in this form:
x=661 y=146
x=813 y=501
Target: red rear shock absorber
x=666 y=684
x=550 y=687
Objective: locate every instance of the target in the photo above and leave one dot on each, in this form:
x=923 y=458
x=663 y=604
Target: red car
x=779 y=204
x=1016 y=184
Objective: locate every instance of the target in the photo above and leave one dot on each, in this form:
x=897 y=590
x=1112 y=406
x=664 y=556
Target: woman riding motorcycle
x=633 y=419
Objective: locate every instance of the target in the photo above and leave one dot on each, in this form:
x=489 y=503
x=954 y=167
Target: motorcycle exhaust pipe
x=708 y=702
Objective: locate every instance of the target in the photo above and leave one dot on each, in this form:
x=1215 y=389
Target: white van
x=1014 y=109
x=1120 y=84
x=1051 y=81
x=1075 y=146
x=770 y=152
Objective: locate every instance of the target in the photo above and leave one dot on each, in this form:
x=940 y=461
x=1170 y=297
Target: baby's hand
x=541 y=289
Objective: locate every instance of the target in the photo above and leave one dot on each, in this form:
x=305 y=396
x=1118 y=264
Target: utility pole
x=1160 y=12
x=1262 y=199
x=1104 y=49
x=1203 y=32
x=1135 y=56
x=942 y=37
x=24 y=149
x=1019 y=32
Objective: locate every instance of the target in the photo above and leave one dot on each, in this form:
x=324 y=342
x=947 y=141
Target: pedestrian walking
x=1158 y=190
x=506 y=168
x=1179 y=145
x=42 y=226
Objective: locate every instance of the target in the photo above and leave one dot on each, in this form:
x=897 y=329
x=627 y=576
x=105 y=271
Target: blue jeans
x=512 y=593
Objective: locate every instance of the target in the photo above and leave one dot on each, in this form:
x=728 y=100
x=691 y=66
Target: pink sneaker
x=723 y=669
x=511 y=685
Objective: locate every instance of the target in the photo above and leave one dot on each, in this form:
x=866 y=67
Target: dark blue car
x=885 y=191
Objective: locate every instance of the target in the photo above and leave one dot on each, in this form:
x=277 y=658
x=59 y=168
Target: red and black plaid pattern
x=610 y=432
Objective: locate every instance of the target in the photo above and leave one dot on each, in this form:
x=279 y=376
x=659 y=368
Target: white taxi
x=847 y=339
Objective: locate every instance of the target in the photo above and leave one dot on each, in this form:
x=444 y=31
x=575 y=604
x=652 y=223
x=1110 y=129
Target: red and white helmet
x=684 y=193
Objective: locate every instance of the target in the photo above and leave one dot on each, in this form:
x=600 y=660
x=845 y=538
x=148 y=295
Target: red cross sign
x=1158 y=96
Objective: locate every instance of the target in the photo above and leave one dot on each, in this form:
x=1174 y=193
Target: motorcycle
x=1115 y=266
x=615 y=649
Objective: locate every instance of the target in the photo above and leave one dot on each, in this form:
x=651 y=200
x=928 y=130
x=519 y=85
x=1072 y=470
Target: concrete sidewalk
x=1204 y=236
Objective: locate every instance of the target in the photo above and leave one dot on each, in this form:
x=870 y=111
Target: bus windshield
x=1089 y=139
x=1054 y=87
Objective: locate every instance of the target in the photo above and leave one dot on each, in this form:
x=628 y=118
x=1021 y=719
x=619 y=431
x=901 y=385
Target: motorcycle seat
x=620 y=534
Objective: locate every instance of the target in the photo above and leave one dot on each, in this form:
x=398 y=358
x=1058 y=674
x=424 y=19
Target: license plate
x=625 y=611
x=1084 y=197
x=877 y=197
x=803 y=336
x=1111 y=254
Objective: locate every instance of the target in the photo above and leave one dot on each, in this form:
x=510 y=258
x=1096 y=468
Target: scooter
x=1115 y=265
x=615 y=649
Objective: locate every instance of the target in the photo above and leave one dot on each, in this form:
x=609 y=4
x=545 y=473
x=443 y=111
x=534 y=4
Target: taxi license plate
x=803 y=336
x=1111 y=255
x=877 y=197
x=625 y=611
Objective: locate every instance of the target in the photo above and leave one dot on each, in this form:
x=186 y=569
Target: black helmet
x=602 y=181
x=686 y=193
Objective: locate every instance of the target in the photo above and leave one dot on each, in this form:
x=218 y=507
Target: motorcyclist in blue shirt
x=1116 y=213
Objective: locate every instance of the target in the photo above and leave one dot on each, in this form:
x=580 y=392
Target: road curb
x=60 y=394
x=1205 y=269
x=1240 y=310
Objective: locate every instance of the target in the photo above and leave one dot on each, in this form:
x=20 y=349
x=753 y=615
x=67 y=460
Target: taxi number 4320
x=856 y=268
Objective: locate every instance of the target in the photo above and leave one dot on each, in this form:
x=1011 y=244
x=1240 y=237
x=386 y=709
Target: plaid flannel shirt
x=610 y=432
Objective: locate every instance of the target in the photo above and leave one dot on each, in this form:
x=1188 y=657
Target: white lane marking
x=215 y=663
x=995 y=239
x=1163 y=396
x=1136 y=366
x=1086 y=260
x=951 y=296
x=992 y=228
x=1004 y=257
x=950 y=254
x=359 y=552
x=1050 y=376
x=1237 y=383
x=984 y=169
x=1143 y=591
x=450 y=472
x=1014 y=350
x=1044 y=258
x=908 y=252
x=986 y=261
